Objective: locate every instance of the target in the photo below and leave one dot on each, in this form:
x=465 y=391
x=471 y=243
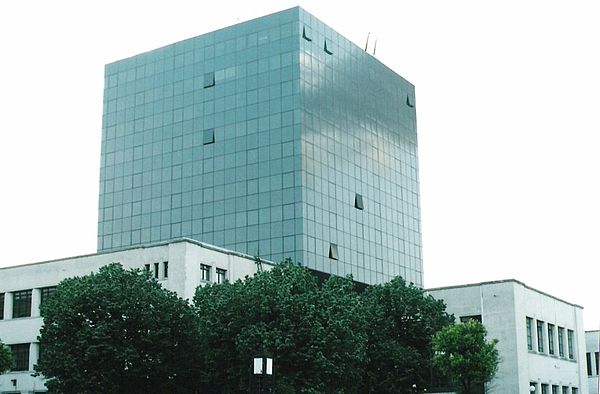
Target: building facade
x=541 y=340
x=179 y=265
x=275 y=137
x=592 y=358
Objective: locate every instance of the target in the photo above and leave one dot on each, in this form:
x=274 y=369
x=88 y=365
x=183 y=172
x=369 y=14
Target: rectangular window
x=333 y=251
x=147 y=267
x=1 y=306
x=534 y=385
x=358 y=202
x=208 y=136
x=464 y=319
x=166 y=269
x=561 y=341
x=205 y=272
x=540 y=336
x=565 y=390
x=20 y=354
x=209 y=79
x=545 y=388
x=155 y=270
x=588 y=359
x=45 y=293
x=550 y=338
x=529 y=323
x=21 y=304
x=570 y=339
x=221 y=275
x=555 y=389
x=574 y=390
x=597 y=363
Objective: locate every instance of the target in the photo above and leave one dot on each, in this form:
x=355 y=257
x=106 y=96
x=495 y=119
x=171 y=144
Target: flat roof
x=503 y=281
x=146 y=246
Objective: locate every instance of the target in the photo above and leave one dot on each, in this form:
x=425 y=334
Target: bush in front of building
x=5 y=358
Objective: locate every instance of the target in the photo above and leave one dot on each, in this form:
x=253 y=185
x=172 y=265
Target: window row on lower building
x=593 y=363
x=206 y=274
x=23 y=303
x=550 y=339
x=545 y=388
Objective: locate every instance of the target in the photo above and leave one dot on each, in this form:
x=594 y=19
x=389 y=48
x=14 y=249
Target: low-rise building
x=180 y=266
x=541 y=338
x=592 y=359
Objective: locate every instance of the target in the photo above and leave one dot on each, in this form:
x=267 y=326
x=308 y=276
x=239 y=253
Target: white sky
x=508 y=98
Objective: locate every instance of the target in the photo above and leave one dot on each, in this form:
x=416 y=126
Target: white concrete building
x=592 y=359
x=179 y=265
x=541 y=338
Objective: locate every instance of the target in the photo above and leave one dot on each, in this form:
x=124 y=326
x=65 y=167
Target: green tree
x=315 y=334
x=5 y=358
x=401 y=322
x=463 y=355
x=118 y=331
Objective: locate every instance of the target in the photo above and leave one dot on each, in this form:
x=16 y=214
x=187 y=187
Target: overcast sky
x=508 y=108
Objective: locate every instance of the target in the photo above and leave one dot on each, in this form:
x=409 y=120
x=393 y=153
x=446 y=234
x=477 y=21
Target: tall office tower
x=275 y=137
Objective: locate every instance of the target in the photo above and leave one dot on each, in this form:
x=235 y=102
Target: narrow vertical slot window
x=166 y=269
x=333 y=251
x=205 y=272
x=209 y=79
x=147 y=267
x=208 y=137
x=155 y=270
x=358 y=202
x=221 y=276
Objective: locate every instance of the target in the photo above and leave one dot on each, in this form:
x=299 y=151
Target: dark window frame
x=540 y=336
x=561 y=341
x=2 y=296
x=165 y=269
x=156 y=270
x=45 y=293
x=221 y=275
x=205 y=272
x=529 y=328
x=570 y=347
x=22 y=303
x=20 y=354
x=550 y=329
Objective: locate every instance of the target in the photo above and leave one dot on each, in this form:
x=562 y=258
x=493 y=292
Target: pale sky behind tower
x=508 y=98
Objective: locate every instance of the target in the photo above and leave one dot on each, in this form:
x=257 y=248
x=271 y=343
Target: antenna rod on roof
x=367 y=44
x=375 y=47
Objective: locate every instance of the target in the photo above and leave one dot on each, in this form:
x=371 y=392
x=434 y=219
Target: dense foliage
x=463 y=354
x=316 y=335
x=5 y=358
x=401 y=321
x=117 y=331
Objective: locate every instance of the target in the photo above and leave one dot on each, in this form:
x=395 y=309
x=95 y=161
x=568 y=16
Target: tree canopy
x=117 y=331
x=401 y=322
x=5 y=358
x=463 y=354
x=315 y=334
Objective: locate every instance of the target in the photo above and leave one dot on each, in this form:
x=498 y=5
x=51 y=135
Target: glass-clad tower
x=275 y=137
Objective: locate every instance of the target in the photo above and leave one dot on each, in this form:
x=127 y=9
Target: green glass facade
x=275 y=137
